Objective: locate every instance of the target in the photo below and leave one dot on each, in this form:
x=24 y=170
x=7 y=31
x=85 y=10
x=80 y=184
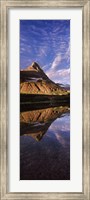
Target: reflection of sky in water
x=62 y=124
x=60 y=130
x=49 y=158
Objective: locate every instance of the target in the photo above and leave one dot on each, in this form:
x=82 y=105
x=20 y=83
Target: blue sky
x=46 y=42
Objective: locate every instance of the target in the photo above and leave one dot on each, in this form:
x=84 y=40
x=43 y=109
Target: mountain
x=66 y=86
x=33 y=80
x=33 y=72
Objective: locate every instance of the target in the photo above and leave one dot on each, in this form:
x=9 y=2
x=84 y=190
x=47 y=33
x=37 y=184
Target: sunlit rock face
x=33 y=80
x=36 y=123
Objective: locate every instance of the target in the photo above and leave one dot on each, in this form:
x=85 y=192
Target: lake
x=45 y=143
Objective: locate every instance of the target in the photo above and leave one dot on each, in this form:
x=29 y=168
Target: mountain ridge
x=33 y=80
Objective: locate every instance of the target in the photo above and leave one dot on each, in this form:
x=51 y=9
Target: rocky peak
x=34 y=67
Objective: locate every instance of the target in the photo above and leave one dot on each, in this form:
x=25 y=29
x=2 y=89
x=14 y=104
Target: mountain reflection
x=35 y=123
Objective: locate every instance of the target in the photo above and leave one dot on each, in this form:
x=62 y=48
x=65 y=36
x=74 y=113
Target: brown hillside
x=33 y=80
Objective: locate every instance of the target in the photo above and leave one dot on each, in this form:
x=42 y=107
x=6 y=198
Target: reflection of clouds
x=61 y=124
x=60 y=139
x=60 y=130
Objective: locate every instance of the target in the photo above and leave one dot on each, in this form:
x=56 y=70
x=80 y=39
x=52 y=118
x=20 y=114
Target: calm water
x=45 y=144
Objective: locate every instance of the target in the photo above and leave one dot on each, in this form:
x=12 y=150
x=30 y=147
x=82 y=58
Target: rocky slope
x=33 y=80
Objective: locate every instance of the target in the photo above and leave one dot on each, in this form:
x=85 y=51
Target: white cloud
x=42 y=52
x=56 y=61
x=23 y=39
x=64 y=72
x=67 y=54
x=54 y=72
x=59 y=76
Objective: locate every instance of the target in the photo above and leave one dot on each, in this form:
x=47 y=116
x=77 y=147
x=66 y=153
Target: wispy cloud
x=48 y=43
x=56 y=61
x=59 y=76
x=56 y=72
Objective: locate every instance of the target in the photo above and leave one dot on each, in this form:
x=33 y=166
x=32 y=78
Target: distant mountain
x=33 y=80
x=66 y=86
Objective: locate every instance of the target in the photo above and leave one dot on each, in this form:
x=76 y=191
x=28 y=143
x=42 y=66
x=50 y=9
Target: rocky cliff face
x=33 y=80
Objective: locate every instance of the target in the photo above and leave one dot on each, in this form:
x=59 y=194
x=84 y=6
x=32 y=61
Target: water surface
x=45 y=144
